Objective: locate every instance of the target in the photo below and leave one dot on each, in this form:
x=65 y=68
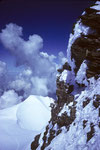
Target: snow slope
x=21 y=123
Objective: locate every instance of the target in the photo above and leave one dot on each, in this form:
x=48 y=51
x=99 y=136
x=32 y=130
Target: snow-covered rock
x=75 y=121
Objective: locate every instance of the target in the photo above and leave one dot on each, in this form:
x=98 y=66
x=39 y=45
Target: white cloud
x=9 y=98
x=62 y=59
x=39 y=86
x=27 y=53
x=39 y=74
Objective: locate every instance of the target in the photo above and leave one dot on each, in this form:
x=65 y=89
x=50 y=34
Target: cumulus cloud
x=42 y=66
x=8 y=99
x=62 y=59
x=25 y=51
x=39 y=74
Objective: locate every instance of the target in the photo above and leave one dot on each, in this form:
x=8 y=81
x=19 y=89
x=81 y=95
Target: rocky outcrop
x=64 y=98
x=35 y=144
x=88 y=46
x=66 y=66
x=75 y=123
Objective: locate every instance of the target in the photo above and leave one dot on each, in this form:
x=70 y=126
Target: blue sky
x=51 y=19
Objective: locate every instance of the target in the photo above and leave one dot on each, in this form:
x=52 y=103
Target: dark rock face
x=88 y=46
x=86 y=102
x=63 y=91
x=96 y=102
x=91 y=19
x=91 y=133
x=66 y=66
x=84 y=123
x=35 y=144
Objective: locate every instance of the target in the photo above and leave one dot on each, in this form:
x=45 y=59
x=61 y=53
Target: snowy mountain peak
x=20 y=123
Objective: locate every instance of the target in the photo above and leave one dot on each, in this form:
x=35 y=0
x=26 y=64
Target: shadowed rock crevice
x=35 y=143
x=96 y=102
x=91 y=133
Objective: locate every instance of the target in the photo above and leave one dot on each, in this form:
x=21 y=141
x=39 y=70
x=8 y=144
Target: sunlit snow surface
x=81 y=74
x=97 y=6
x=19 y=124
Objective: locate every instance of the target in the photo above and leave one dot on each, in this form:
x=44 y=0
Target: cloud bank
x=39 y=74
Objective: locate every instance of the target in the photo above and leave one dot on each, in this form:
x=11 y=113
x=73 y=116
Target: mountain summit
x=75 y=120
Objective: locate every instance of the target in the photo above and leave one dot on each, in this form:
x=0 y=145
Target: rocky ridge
x=75 y=121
